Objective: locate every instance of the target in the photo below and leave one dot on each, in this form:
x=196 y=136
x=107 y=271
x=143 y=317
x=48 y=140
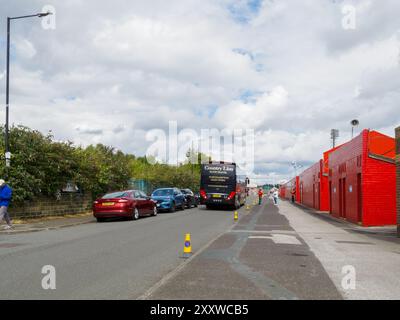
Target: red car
x=130 y=204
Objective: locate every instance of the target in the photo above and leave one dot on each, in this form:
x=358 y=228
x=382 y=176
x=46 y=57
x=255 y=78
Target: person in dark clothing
x=5 y=198
x=293 y=194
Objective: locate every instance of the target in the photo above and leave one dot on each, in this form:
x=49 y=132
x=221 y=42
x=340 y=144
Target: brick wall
x=398 y=178
x=68 y=203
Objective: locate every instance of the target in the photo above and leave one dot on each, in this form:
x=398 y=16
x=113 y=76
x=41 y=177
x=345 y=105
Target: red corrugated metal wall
x=310 y=186
x=285 y=190
x=379 y=192
x=362 y=188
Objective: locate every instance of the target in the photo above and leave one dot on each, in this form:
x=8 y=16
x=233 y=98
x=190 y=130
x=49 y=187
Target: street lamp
x=6 y=134
x=354 y=123
x=296 y=166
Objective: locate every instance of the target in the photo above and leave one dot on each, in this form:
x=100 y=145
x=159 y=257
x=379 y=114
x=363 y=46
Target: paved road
x=113 y=260
x=282 y=252
x=262 y=257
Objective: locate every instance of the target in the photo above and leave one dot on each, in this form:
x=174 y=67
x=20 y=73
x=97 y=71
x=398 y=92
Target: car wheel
x=100 y=219
x=136 y=214
x=155 y=211
x=173 y=208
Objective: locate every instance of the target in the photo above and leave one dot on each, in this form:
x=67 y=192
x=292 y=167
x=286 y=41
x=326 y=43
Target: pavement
x=373 y=253
x=261 y=257
x=49 y=223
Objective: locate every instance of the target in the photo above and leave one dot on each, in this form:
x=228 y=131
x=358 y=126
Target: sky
x=290 y=70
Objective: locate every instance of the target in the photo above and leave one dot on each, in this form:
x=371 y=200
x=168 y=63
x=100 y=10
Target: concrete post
x=398 y=179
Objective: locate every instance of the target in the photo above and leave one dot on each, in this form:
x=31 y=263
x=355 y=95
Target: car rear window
x=163 y=192
x=113 y=195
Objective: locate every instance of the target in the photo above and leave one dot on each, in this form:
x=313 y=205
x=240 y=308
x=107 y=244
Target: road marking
x=169 y=276
x=279 y=239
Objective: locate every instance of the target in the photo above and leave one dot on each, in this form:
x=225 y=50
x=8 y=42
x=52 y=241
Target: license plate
x=216 y=196
x=108 y=203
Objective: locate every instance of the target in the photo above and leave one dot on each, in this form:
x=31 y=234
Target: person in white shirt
x=276 y=195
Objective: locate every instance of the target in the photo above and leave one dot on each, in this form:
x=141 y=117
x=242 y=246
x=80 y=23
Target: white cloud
x=287 y=69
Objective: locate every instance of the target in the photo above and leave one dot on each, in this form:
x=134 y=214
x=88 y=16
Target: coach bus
x=220 y=186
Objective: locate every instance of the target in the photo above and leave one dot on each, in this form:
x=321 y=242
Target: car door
x=191 y=197
x=179 y=196
x=139 y=202
x=147 y=203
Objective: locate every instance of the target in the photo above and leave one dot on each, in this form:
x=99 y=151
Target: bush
x=42 y=166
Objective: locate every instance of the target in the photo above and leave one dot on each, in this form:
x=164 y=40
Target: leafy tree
x=42 y=166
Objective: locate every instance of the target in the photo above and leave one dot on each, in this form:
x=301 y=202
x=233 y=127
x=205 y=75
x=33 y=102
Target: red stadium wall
x=379 y=181
x=310 y=186
x=297 y=189
x=285 y=191
x=362 y=180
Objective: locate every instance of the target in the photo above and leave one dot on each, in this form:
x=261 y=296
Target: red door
x=313 y=195
x=340 y=198
x=330 y=197
x=344 y=198
x=359 y=198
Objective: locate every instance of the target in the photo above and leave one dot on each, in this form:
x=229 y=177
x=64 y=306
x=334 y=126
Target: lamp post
x=354 y=123
x=6 y=133
x=296 y=166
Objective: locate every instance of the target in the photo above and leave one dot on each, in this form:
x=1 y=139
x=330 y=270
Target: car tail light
x=203 y=194
x=231 y=195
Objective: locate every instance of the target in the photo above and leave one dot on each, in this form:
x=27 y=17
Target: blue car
x=168 y=199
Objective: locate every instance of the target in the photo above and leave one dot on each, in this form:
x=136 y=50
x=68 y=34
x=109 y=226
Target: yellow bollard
x=236 y=216
x=187 y=249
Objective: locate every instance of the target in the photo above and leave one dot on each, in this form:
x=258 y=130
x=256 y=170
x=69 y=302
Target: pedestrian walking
x=5 y=198
x=260 y=195
x=276 y=195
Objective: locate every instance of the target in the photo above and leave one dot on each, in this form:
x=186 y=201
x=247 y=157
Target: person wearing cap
x=5 y=198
